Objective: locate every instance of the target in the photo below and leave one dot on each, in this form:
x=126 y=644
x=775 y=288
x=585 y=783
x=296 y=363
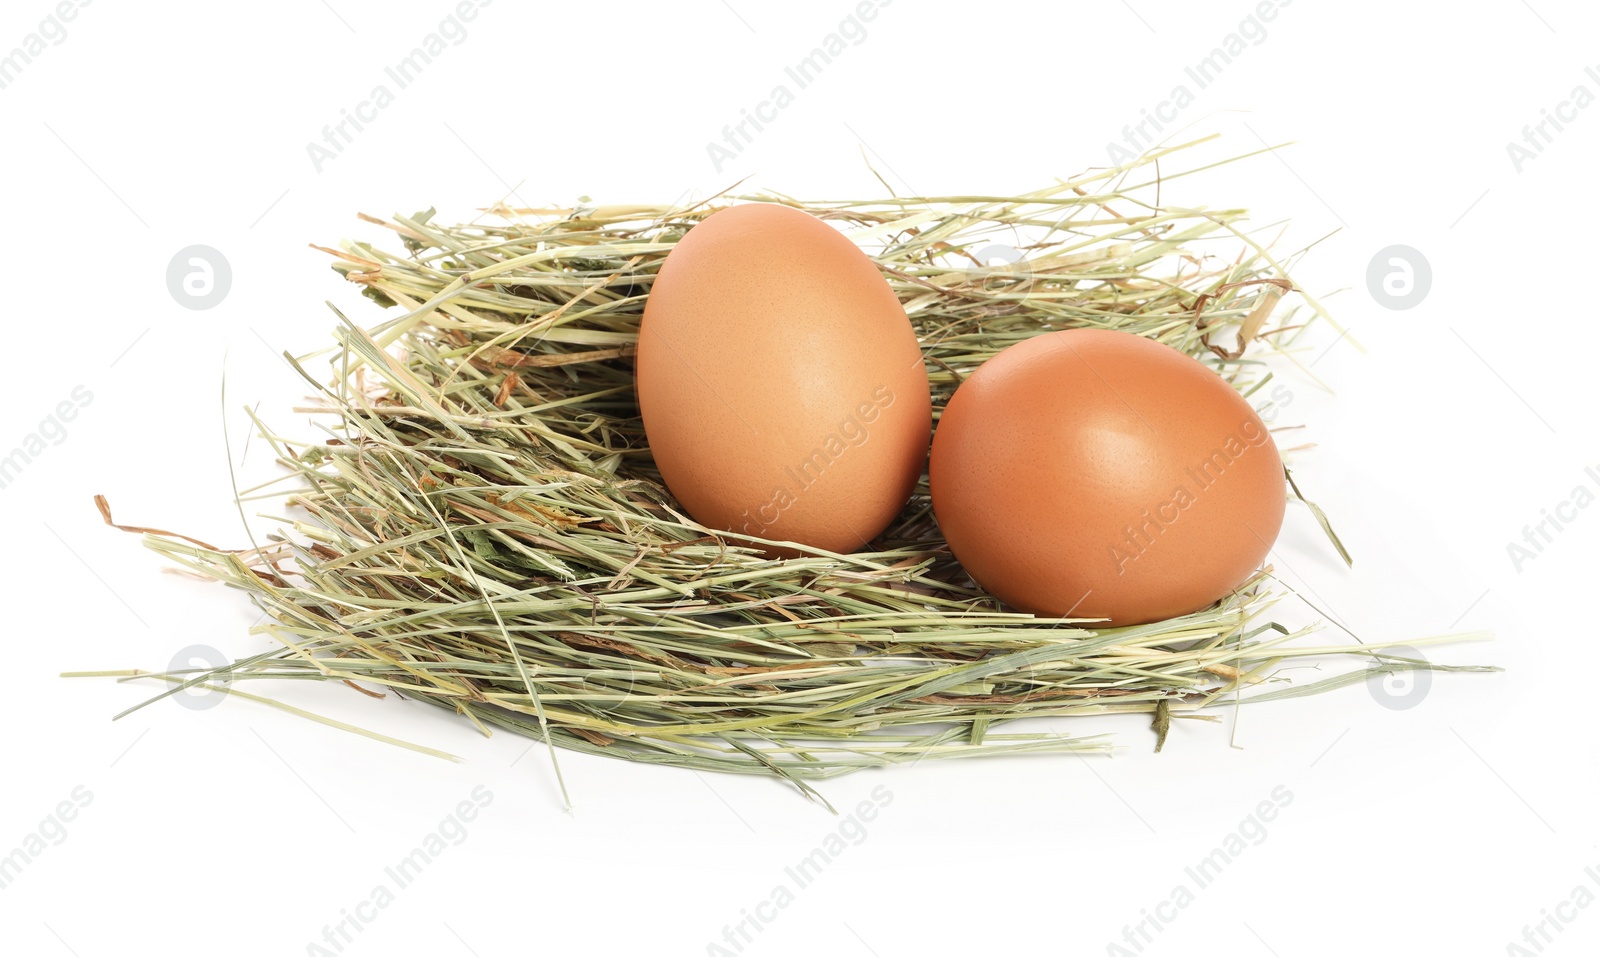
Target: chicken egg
x=1099 y=474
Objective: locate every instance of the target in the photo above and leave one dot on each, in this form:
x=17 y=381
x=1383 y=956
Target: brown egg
x=1095 y=474
x=781 y=384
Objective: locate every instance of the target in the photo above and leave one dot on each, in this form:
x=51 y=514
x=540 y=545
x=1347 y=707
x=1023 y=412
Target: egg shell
x=781 y=384
x=1097 y=474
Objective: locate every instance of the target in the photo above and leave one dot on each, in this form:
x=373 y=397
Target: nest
x=481 y=527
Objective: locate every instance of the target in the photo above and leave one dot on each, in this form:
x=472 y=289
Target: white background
x=1447 y=827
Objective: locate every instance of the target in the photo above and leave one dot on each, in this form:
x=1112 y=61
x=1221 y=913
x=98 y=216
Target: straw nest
x=480 y=527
